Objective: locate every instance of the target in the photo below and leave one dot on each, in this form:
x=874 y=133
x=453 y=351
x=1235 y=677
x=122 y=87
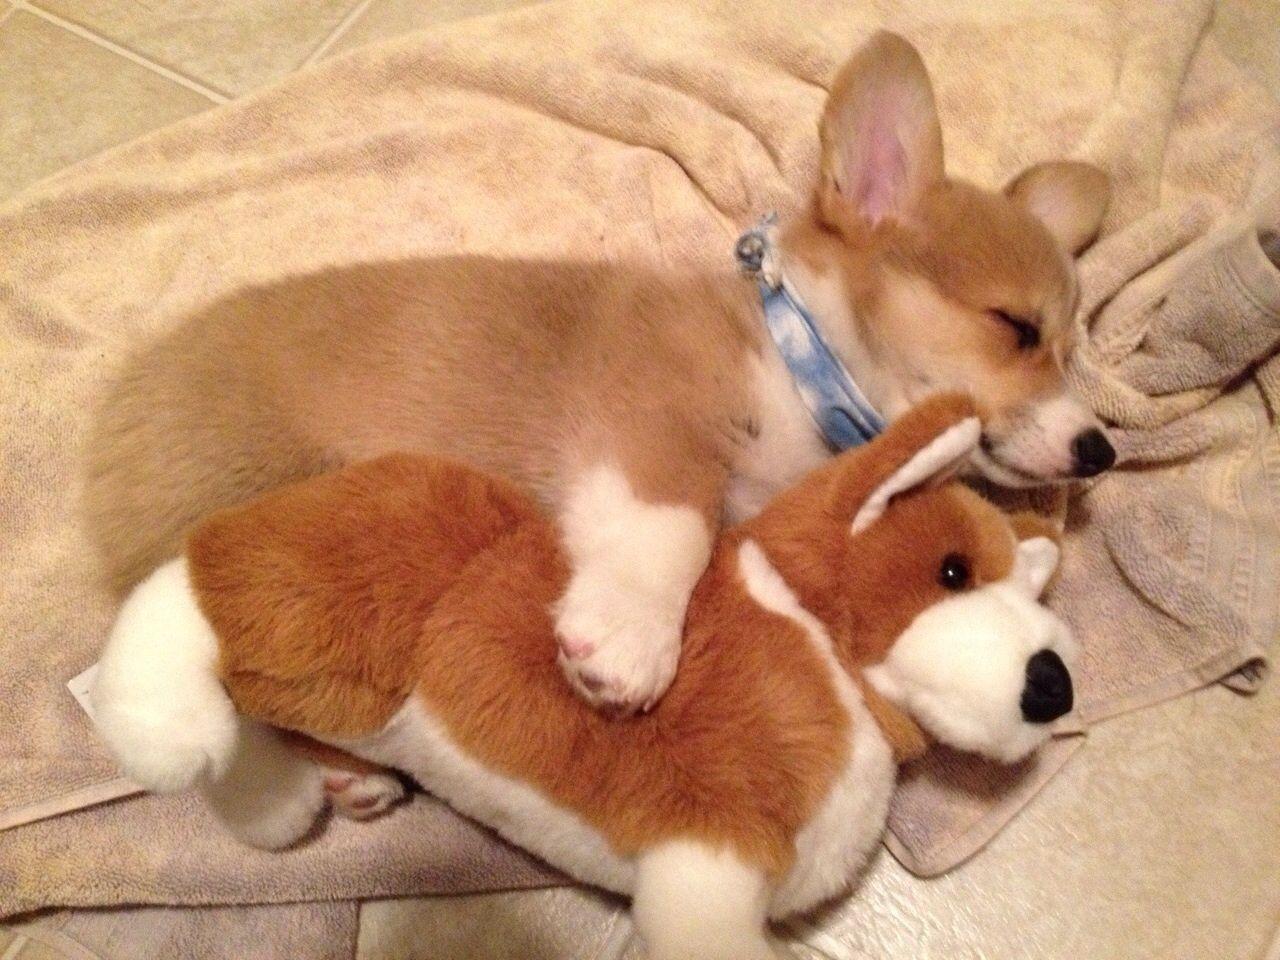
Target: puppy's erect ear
x=881 y=141
x=925 y=444
x=1068 y=197
x=1038 y=552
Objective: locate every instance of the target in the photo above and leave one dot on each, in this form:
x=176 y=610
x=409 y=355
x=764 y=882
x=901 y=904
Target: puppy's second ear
x=881 y=141
x=1069 y=198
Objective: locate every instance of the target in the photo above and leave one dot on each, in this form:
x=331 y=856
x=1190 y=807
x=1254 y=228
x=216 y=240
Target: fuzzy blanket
x=650 y=132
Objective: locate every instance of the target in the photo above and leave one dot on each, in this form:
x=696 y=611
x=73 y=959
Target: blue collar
x=843 y=415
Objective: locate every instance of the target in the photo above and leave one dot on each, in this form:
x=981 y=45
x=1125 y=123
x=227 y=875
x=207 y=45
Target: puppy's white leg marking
x=157 y=699
x=361 y=796
x=634 y=566
x=695 y=903
x=270 y=795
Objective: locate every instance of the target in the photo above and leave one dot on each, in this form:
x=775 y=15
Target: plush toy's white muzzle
x=986 y=670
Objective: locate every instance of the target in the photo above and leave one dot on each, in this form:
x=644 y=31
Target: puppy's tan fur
x=538 y=370
x=532 y=371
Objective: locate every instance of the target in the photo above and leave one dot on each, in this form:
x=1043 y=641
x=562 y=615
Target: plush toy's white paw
x=618 y=647
x=170 y=747
x=156 y=697
x=362 y=796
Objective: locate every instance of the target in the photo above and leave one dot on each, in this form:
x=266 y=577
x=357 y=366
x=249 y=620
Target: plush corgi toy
x=401 y=610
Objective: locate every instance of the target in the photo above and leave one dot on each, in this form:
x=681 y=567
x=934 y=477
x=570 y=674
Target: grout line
x=86 y=34
x=8 y=13
x=616 y=939
x=19 y=941
x=343 y=25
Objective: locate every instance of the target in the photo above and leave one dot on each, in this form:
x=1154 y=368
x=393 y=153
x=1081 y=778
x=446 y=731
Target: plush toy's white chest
x=833 y=847
x=836 y=842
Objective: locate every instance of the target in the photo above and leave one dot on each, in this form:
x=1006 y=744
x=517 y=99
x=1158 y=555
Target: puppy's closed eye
x=1028 y=333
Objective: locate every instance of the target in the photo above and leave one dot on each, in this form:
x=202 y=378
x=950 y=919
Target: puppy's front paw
x=634 y=566
x=618 y=647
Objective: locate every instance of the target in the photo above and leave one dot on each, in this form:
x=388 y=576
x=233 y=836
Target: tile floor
x=80 y=76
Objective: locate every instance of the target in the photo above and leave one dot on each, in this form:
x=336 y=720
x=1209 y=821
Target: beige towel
x=304 y=931
x=647 y=132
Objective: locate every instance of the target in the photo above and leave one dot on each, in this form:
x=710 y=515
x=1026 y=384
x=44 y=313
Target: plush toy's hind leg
x=270 y=795
x=695 y=903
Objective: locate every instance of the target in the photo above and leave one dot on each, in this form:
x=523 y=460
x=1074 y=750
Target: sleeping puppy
x=643 y=409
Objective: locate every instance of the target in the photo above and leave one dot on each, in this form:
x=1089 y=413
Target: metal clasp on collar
x=757 y=252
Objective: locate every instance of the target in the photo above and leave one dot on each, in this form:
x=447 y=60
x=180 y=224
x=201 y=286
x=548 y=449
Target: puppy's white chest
x=783 y=442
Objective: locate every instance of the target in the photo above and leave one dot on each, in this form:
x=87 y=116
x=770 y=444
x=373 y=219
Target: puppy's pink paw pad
x=337 y=782
x=576 y=649
x=363 y=796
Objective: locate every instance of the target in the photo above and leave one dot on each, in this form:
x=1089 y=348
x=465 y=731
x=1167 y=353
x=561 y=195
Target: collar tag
x=839 y=408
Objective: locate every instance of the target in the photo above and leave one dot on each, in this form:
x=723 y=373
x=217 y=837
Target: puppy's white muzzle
x=1055 y=439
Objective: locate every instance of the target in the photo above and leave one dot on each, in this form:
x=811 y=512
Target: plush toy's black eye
x=954 y=572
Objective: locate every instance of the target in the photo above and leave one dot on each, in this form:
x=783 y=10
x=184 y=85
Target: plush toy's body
x=402 y=610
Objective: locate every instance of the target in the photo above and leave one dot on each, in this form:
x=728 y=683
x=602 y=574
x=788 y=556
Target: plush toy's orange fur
x=338 y=598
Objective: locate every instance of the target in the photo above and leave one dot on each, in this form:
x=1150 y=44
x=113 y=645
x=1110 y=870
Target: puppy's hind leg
x=356 y=788
x=693 y=902
x=186 y=428
x=270 y=795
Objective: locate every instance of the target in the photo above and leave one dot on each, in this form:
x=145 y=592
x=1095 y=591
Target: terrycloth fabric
x=650 y=133
x=301 y=931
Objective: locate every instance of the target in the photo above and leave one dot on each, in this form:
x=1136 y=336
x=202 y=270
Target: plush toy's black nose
x=1047 y=695
x=1093 y=452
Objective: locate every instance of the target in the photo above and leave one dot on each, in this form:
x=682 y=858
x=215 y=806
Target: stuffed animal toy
x=401 y=610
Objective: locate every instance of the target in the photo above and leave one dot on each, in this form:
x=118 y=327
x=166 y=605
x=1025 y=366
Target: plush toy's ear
x=1038 y=552
x=926 y=443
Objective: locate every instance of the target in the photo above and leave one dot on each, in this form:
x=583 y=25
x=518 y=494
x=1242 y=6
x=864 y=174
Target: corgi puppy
x=643 y=409
x=401 y=610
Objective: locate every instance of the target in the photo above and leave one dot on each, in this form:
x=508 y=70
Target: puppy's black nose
x=1093 y=452
x=1047 y=695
